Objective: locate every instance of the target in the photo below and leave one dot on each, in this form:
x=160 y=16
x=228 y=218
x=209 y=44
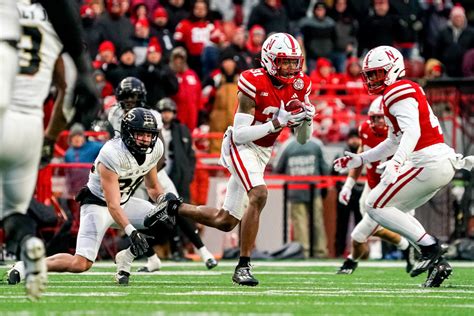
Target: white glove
x=349 y=161
x=390 y=171
x=288 y=119
x=310 y=111
x=345 y=195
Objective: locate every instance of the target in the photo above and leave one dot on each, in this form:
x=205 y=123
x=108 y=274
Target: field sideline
x=287 y=288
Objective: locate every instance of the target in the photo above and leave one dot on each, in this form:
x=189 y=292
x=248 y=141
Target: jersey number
x=128 y=186
x=434 y=120
x=29 y=52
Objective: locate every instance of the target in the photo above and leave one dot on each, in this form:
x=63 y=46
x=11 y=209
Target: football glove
x=288 y=119
x=310 y=111
x=390 y=171
x=349 y=161
x=139 y=244
x=345 y=195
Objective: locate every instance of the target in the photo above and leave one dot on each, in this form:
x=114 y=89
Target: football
x=294 y=106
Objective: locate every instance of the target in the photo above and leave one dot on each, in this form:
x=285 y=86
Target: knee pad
x=359 y=236
x=17 y=227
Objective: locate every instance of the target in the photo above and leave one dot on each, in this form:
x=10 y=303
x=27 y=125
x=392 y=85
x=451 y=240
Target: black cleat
x=429 y=256
x=165 y=211
x=122 y=277
x=243 y=276
x=440 y=272
x=13 y=276
x=411 y=255
x=211 y=263
x=348 y=267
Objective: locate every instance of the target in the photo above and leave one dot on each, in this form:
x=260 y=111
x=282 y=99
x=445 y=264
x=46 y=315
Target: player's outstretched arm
x=152 y=184
x=346 y=191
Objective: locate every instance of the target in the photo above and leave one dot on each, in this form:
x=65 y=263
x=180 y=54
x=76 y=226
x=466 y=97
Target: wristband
x=129 y=229
x=350 y=182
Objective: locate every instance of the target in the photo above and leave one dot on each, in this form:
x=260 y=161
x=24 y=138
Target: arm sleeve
x=383 y=150
x=407 y=115
x=244 y=132
x=304 y=131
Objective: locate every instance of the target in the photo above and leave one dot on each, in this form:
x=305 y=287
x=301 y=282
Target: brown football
x=294 y=106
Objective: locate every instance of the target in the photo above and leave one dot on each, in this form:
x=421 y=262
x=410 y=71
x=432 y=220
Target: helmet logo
x=270 y=43
x=129 y=117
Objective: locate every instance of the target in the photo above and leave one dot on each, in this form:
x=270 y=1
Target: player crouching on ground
x=123 y=163
x=420 y=164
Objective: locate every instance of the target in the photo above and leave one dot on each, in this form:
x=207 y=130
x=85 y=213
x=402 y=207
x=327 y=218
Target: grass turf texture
x=286 y=288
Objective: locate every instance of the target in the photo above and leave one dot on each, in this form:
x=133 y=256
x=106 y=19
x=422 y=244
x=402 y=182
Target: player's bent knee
x=359 y=236
x=258 y=195
x=80 y=264
x=225 y=221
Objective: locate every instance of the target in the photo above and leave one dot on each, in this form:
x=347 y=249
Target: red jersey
x=194 y=35
x=370 y=139
x=257 y=85
x=429 y=126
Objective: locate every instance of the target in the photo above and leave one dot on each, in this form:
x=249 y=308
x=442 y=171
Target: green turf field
x=286 y=288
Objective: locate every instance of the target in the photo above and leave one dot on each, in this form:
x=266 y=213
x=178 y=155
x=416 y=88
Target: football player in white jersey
x=131 y=93
x=21 y=136
x=123 y=163
x=420 y=164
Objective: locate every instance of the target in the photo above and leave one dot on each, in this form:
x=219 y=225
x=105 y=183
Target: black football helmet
x=131 y=93
x=139 y=120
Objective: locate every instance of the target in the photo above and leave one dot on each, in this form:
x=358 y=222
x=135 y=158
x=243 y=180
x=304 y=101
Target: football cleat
x=410 y=254
x=348 y=267
x=429 y=256
x=437 y=274
x=165 y=210
x=13 y=276
x=122 y=277
x=36 y=276
x=243 y=276
x=211 y=263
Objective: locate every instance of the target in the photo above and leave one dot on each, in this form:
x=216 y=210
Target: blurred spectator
x=453 y=41
x=303 y=160
x=211 y=52
x=238 y=50
x=468 y=64
x=90 y=33
x=353 y=80
x=193 y=33
x=295 y=10
x=433 y=69
x=105 y=57
x=113 y=26
x=125 y=68
x=140 y=39
x=139 y=11
x=176 y=12
x=344 y=211
x=151 y=5
x=103 y=86
x=160 y=81
x=409 y=25
x=225 y=8
x=160 y=29
x=436 y=18
x=223 y=103
x=188 y=98
x=322 y=75
x=180 y=157
x=377 y=28
x=80 y=151
x=319 y=35
x=270 y=15
x=97 y=6
x=346 y=32
x=254 y=45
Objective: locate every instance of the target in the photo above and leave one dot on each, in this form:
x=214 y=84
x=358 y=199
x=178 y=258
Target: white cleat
x=36 y=276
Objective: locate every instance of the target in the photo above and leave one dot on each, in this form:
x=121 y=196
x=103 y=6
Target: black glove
x=139 y=244
x=86 y=100
x=47 y=152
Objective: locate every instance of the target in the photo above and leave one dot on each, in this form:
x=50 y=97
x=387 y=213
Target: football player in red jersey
x=247 y=145
x=372 y=132
x=421 y=162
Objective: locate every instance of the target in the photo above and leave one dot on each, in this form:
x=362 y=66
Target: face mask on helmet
x=139 y=131
x=382 y=66
x=282 y=57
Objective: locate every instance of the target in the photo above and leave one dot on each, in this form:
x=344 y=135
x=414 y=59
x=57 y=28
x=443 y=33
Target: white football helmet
x=377 y=123
x=382 y=66
x=276 y=49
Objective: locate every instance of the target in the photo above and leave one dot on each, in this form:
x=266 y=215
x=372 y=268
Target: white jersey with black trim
x=9 y=24
x=39 y=48
x=116 y=157
x=116 y=114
